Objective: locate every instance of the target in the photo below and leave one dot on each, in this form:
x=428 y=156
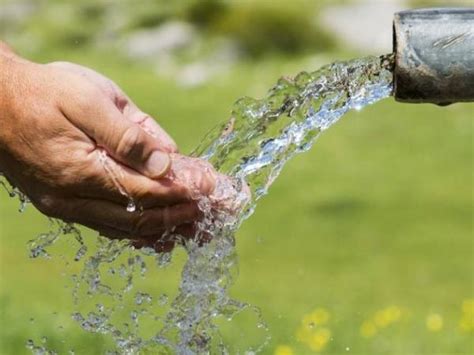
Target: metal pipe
x=434 y=55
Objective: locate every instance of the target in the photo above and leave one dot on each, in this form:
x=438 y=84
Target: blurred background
x=364 y=244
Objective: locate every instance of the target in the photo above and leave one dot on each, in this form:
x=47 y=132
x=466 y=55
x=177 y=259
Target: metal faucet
x=434 y=55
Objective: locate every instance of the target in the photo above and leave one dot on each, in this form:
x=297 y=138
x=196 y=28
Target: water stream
x=251 y=147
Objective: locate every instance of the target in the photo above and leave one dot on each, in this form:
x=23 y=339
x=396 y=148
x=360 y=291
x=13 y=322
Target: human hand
x=79 y=148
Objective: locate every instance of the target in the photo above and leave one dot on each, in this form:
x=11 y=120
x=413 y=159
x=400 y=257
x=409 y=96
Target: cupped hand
x=80 y=149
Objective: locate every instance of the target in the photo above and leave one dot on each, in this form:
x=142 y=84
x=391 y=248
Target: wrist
x=6 y=53
x=8 y=64
x=8 y=58
x=4 y=47
x=11 y=67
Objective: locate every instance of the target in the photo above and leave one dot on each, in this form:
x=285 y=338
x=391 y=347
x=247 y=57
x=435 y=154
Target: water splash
x=262 y=135
x=37 y=246
x=252 y=148
x=116 y=174
x=14 y=192
x=39 y=349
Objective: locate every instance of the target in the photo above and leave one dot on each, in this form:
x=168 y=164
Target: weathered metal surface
x=434 y=55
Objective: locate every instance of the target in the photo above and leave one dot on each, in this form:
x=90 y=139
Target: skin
x=76 y=145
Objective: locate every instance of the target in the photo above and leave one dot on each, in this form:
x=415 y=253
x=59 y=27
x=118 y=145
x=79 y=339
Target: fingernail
x=157 y=164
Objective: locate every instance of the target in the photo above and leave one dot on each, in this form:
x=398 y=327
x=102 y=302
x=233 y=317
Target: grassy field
x=369 y=235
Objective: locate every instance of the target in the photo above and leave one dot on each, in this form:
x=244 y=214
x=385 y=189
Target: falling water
x=252 y=148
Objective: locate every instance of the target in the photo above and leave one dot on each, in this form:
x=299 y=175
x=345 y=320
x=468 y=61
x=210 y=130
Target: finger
x=197 y=175
x=109 y=180
x=109 y=217
x=126 y=141
x=108 y=232
x=190 y=231
x=134 y=114
x=138 y=242
x=166 y=241
x=160 y=246
x=179 y=235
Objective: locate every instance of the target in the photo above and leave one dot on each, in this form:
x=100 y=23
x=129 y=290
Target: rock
x=203 y=67
x=160 y=41
x=218 y=62
x=12 y=13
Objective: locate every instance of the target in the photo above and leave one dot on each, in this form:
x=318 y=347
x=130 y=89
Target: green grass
x=378 y=213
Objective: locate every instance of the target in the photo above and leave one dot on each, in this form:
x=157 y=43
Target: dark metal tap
x=434 y=55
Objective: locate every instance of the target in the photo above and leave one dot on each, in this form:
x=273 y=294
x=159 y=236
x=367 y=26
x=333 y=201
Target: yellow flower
x=283 y=350
x=466 y=324
x=319 y=339
x=381 y=319
x=307 y=332
x=468 y=306
x=387 y=316
x=434 y=322
x=393 y=313
x=319 y=316
x=303 y=334
x=368 y=329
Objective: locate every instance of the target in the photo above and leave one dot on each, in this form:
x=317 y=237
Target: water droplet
x=30 y=344
x=141 y=298
x=163 y=299
x=80 y=252
x=163 y=260
x=131 y=207
x=22 y=207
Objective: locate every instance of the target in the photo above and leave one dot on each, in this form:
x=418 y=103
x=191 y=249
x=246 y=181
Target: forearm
x=8 y=60
x=5 y=48
x=12 y=70
x=7 y=55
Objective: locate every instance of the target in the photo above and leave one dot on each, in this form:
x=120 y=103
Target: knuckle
x=121 y=100
x=62 y=64
x=205 y=182
x=85 y=96
x=131 y=145
x=173 y=147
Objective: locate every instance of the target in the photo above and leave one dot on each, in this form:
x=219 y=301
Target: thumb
x=131 y=145
x=124 y=140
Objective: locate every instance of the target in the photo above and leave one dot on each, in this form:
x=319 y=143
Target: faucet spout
x=434 y=55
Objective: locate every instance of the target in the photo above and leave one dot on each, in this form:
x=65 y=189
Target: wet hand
x=79 y=148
